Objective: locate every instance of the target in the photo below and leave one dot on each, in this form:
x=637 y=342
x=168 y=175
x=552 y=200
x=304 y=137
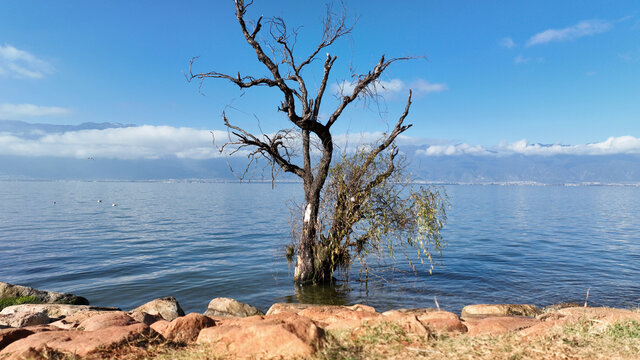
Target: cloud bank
x=140 y=142
x=581 y=29
x=22 y=64
x=157 y=142
x=611 y=146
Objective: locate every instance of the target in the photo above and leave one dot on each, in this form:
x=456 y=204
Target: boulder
x=143 y=317
x=226 y=307
x=54 y=311
x=80 y=343
x=185 y=329
x=167 y=307
x=7 y=336
x=484 y=310
x=415 y=311
x=540 y=329
x=442 y=322
x=498 y=325
x=160 y=326
x=106 y=320
x=74 y=320
x=331 y=317
x=18 y=320
x=601 y=316
x=558 y=306
x=46 y=297
x=284 y=335
x=279 y=308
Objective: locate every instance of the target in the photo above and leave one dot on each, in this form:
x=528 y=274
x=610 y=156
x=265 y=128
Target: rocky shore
x=66 y=326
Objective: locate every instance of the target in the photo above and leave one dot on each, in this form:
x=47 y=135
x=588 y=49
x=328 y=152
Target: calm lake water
x=197 y=241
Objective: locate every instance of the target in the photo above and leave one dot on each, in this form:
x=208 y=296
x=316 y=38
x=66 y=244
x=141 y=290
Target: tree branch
x=361 y=86
x=271 y=147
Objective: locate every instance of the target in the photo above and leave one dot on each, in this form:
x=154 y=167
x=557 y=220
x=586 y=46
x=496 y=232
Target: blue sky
x=497 y=72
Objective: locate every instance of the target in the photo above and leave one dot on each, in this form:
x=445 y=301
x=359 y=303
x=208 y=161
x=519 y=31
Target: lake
x=201 y=240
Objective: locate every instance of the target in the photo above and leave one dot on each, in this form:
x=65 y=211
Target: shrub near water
x=5 y=302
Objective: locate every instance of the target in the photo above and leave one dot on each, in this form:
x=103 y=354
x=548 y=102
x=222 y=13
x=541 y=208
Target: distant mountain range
x=465 y=168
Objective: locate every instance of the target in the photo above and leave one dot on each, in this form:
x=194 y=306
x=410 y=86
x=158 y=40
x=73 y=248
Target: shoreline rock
x=287 y=330
x=42 y=296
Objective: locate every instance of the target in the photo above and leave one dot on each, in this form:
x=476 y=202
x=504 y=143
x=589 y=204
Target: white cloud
x=22 y=64
x=583 y=28
x=521 y=59
x=507 y=42
x=425 y=87
x=156 y=142
x=393 y=86
x=611 y=146
x=141 y=142
x=19 y=111
x=459 y=149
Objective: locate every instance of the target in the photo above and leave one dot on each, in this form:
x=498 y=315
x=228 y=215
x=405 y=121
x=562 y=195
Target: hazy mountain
x=557 y=169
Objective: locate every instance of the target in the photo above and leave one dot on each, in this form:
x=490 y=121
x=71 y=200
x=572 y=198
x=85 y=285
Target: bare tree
x=302 y=106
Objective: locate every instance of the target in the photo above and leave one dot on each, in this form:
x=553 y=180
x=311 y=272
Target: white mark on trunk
x=307 y=214
x=298 y=273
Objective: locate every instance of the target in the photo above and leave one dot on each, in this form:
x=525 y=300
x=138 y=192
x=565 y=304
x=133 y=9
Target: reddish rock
x=7 y=336
x=339 y=317
x=279 y=308
x=416 y=311
x=485 y=310
x=498 y=325
x=160 y=326
x=80 y=343
x=442 y=321
x=282 y=335
x=360 y=307
x=185 y=329
x=74 y=320
x=603 y=317
x=107 y=320
x=40 y=328
x=541 y=329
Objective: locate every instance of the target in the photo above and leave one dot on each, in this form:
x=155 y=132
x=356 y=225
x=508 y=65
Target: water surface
x=198 y=240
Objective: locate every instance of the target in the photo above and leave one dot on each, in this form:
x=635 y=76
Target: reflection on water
x=197 y=241
x=330 y=294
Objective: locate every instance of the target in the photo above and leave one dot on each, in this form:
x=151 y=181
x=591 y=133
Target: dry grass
x=577 y=341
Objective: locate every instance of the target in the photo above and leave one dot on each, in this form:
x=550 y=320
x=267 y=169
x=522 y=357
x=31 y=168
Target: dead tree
x=301 y=106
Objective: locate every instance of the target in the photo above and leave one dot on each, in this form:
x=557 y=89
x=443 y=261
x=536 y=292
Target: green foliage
x=624 y=330
x=5 y=302
x=370 y=208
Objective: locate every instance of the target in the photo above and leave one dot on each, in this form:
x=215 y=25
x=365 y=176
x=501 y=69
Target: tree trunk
x=305 y=270
x=309 y=266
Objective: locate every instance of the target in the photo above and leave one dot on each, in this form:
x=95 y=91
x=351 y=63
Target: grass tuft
x=5 y=302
